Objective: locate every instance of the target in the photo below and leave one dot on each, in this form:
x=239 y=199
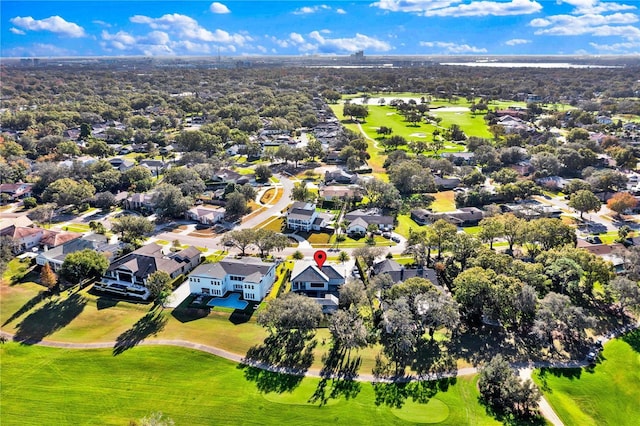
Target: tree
x=300 y=192
x=99 y=148
x=67 y=191
x=29 y=202
x=442 y=233
x=159 y=285
x=501 y=389
x=85 y=131
x=297 y=255
x=291 y=312
x=348 y=330
x=513 y=229
x=133 y=229
x=43 y=213
x=473 y=291
x=490 y=228
x=263 y=173
x=397 y=333
x=352 y=294
x=267 y=240
x=626 y=292
x=84 y=265
x=368 y=254
x=236 y=205
x=343 y=256
x=464 y=247
x=558 y=319
x=137 y=179
x=621 y=201
x=169 y=201
x=381 y=194
x=48 y=278
x=104 y=200
x=584 y=201
x=314 y=149
x=241 y=239
x=410 y=177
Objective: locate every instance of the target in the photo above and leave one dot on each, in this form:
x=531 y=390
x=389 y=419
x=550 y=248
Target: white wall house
x=248 y=276
x=301 y=216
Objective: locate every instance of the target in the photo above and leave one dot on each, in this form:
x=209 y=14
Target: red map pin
x=320 y=256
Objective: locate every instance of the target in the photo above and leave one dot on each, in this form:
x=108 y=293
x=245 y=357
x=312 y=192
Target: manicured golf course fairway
x=608 y=394
x=46 y=386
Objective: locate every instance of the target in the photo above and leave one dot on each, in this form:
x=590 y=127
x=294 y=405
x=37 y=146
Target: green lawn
x=76 y=387
x=608 y=394
x=444 y=202
x=76 y=227
x=405 y=223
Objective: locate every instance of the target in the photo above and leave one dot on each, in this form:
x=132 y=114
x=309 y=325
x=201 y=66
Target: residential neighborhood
x=332 y=227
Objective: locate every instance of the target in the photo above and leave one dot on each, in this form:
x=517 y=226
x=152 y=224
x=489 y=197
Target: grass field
x=608 y=394
x=76 y=387
x=444 y=202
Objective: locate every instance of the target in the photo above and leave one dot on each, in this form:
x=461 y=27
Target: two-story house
x=309 y=279
x=249 y=276
x=128 y=274
x=304 y=217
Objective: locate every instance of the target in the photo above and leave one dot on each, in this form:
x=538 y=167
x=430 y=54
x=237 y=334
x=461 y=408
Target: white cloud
x=16 y=31
x=55 y=24
x=101 y=23
x=308 y=10
x=296 y=38
x=121 y=40
x=595 y=6
x=626 y=48
x=353 y=44
x=453 y=47
x=341 y=11
x=188 y=28
x=455 y=8
x=516 y=41
x=219 y=8
x=617 y=24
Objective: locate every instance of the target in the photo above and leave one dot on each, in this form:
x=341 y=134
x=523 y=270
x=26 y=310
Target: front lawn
x=608 y=393
x=71 y=387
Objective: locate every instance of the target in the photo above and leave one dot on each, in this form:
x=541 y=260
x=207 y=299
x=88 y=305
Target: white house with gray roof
x=248 y=276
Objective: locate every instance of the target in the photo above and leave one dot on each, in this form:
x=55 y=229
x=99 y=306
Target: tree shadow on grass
x=51 y=317
x=189 y=314
x=279 y=364
x=105 y=303
x=632 y=338
x=149 y=325
x=394 y=395
x=393 y=391
x=433 y=361
x=338 y=377
x=30 y=304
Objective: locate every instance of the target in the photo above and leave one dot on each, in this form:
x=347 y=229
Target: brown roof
x=599 y=249
x=54 y=238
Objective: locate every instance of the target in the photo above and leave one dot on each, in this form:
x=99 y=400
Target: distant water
x=527 y=65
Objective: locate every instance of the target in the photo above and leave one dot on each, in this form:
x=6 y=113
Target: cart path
x=307 y=373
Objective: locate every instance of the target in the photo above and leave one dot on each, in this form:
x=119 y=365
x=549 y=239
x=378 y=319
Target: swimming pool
x=231 y=301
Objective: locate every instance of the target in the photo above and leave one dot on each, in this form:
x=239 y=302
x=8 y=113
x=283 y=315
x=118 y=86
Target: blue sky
x=379 y=27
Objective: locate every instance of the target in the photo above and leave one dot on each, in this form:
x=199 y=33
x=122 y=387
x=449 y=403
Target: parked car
x=386 y=235
x=395 y=239
x=591 y=356
x=594 y=239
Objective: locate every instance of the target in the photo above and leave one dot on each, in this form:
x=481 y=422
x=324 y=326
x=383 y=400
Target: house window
x=205 y=290
x=316 y=285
